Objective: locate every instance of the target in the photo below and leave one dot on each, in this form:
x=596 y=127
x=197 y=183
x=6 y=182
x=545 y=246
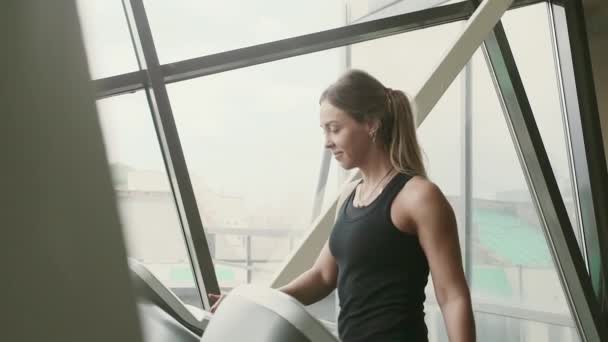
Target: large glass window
x=406 y=60
x=106 y=37
x=252 y=143
x=253 y=147
x=364 y=10
x=191 y=28
x=512 y=267
x=145 y=202
x=533 y=52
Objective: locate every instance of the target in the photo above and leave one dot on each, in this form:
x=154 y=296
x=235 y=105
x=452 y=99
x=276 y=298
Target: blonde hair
x=363 y=97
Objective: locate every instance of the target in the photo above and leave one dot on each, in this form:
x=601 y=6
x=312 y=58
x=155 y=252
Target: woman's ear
x=373 y=126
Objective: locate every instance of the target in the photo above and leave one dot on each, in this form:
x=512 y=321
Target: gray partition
x=62 y=255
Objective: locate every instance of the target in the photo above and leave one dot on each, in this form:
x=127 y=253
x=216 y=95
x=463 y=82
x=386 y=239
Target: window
x=252 y=143
x=364 y=10
x=189 y=29
x=145 y=202
x=106 y=37
x=533 y=53
x=512 y=266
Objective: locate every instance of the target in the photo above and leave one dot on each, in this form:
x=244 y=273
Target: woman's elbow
x=328 y=280
x=460 y=294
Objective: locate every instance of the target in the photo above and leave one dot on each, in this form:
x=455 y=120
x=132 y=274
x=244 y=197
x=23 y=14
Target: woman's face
x=348 y=140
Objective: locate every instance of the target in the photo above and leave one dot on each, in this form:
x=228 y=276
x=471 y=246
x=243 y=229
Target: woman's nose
x=328 y=143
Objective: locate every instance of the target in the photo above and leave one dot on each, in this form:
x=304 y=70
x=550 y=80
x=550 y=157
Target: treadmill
x=249 y=313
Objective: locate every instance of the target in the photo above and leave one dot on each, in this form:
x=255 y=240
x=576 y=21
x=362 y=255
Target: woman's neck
x=376 y=168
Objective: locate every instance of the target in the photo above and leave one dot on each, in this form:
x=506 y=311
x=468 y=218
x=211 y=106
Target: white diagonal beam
x=458 y=55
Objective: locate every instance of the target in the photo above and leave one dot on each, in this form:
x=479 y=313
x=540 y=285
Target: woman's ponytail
x=403 y=147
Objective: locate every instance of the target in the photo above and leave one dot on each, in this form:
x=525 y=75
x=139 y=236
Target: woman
x=391 y=230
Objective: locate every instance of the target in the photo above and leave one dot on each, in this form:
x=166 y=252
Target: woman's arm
x=316 y=283
x=310 y=286
x=438 y=235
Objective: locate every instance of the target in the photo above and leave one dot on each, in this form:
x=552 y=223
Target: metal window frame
x=173 y=156
x=321 y=188
x=291 y=47
x=398 y=7
x=466 y=185
x=588 y=166
x=543 y=186
x=120 y=84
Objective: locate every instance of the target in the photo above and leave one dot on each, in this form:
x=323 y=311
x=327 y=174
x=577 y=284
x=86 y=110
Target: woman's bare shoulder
x=417 y=196
x=419 y=191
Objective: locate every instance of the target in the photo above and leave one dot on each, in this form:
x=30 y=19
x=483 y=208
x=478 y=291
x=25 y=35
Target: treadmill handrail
x=170 y=302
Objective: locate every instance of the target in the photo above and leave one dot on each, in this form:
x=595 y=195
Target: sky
x=255 y=130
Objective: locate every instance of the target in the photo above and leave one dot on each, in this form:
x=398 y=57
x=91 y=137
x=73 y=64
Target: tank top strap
x=393 y=188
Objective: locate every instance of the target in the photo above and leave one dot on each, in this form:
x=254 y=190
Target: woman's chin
x=346 y=166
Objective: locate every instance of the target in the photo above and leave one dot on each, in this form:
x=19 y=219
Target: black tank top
x=382 y=272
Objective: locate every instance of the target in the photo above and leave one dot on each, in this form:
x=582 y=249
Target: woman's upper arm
x=326 y=266
x=437 y=232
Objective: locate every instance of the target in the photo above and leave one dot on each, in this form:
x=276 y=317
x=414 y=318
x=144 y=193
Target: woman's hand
x=215 y=301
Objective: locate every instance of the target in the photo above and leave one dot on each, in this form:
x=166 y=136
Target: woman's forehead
x=331 y=113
